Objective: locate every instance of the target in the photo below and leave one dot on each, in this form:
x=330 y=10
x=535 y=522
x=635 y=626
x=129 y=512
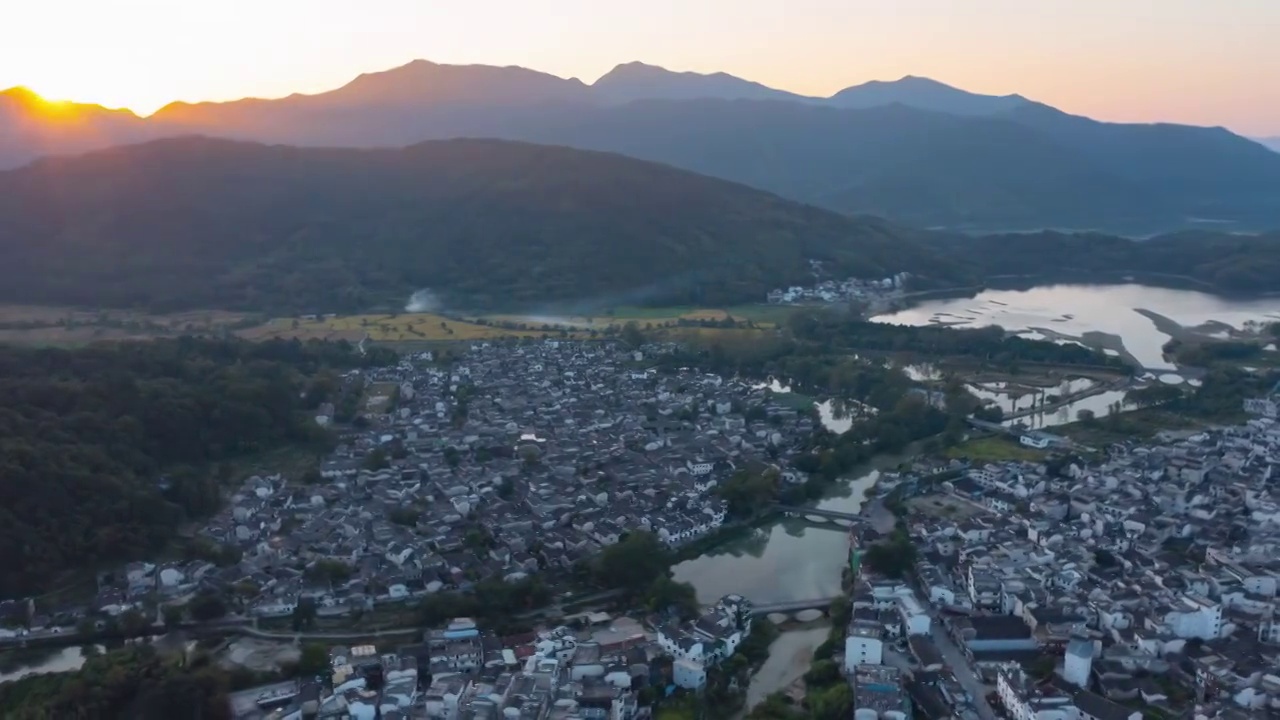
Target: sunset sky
x=1193 y=61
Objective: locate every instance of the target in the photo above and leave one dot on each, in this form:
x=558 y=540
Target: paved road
x=963 y=671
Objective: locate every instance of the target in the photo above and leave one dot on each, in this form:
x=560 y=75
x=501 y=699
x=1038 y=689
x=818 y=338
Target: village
x=1142 y=584
x=1137 y=580
x=874 y=294
x=512 y=460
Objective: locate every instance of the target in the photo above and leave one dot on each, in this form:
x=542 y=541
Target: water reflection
x=1078 y=309
x=65 y=659
x=836 y=414
x=1013 y=398
x=791 y=559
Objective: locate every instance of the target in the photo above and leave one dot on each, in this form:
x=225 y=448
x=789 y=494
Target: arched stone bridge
x=819 y=515
x=791 y=607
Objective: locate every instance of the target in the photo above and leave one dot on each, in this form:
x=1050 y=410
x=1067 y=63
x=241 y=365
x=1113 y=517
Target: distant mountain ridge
x=1271 y=142
x=925 y=94
x=31 y=127
x=914 y=150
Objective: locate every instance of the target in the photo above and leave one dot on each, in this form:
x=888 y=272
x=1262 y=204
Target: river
x=789 y=658
x=790 y=559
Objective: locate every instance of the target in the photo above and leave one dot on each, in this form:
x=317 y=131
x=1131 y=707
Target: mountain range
x=198 y=223
x=1271 y=142
x=913 y=150
x=204 y=223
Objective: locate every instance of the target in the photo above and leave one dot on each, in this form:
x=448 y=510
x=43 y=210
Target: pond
x=65 y=659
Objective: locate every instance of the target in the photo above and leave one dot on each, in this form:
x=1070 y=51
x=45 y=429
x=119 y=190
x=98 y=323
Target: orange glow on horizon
x=1191 y=62
x=55 y=106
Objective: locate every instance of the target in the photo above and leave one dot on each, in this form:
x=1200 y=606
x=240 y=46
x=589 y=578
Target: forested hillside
x=1225 y=262
x=200 y=223
x=106 y=450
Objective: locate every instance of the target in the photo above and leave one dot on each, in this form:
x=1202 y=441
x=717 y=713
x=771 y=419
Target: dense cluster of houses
x=594 y=671
x=509 y=460
x=705 y=642
x=871 y=292
x=1151 y=578
x=460 y=672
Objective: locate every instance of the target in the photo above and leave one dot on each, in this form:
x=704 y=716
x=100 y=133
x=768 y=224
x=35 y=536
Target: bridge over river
x=792 y=607
x=810 y=512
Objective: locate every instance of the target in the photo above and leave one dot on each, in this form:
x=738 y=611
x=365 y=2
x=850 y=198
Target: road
x=963 y=671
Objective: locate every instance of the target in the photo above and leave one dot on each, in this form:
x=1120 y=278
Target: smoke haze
x=423 y=300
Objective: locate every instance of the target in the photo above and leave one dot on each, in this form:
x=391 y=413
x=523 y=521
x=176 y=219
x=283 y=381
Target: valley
x=927 y=367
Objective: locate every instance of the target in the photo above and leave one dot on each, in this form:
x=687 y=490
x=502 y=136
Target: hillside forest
x=105 y=451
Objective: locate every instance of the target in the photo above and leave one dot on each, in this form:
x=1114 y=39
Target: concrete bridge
x=818 y=513
x=792 y=607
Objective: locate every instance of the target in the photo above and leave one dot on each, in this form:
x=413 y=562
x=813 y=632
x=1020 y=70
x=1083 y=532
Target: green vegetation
x=997 y=448
x=827 y=692
x=135 y=682
x=990 y=345
x=894 y=558
x=492 y=602
x=1225 y=262
x=1219 y=399
x=1204 y=354
x=486 y=224
x=106 y=450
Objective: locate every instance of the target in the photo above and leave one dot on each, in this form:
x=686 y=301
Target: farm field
x=422 y=327
x=63 y=326
x=57 y=326
x=399 y=327
x=761 y=315
x=996 y=449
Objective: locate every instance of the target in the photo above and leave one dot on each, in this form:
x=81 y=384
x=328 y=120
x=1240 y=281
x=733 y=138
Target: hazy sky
x=1207 y=62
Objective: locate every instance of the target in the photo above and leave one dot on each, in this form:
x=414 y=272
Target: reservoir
x=1105 y=317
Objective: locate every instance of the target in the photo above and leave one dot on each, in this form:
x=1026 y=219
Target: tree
x=749 y=492
x=173 y=615
x=894 y=558
x=206 y=606
x=304 y=614
x=631 y=335
x=832 y=703
x=680 y=597
x=377 y=459
x=451 y=456
x=633 y=563
x=1086 y=416
x=325 y=570
x=406 y=516
x=822 y=673
x=507 y=488
x=314 y=660
x=133 y=623
x=1042 y=667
